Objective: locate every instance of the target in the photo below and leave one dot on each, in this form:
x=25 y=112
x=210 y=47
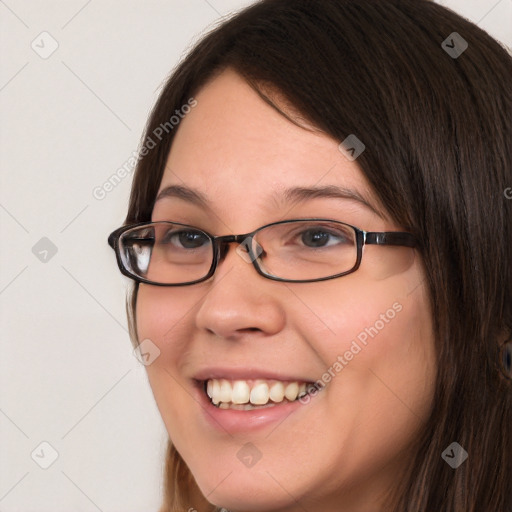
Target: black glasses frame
x=219 y=243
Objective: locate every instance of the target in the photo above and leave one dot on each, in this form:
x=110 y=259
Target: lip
x=231 y=421
x=247 y=373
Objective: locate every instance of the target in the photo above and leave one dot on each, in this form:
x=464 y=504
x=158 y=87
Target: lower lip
x=233 y=421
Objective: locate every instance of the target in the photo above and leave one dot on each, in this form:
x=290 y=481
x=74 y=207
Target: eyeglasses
x=300 y=251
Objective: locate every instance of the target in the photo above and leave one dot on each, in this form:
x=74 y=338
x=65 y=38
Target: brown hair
x=437 y=131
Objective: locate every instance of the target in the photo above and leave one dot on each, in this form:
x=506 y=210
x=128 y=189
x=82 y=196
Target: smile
x=255 y=393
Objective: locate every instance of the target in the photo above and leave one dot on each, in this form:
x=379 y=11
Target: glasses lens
x=166 y=253
x=307 y=249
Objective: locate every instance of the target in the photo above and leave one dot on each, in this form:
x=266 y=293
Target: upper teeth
x=256 y=392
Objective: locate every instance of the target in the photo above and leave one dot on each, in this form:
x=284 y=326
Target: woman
x=348 y=349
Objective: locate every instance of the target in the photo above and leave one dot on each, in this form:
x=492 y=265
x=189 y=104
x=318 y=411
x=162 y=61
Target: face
x=366 y=337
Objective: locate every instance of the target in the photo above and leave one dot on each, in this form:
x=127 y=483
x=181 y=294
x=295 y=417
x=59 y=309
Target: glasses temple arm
x=391 y=238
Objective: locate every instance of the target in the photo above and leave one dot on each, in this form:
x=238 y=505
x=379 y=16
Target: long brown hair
x=437 y=130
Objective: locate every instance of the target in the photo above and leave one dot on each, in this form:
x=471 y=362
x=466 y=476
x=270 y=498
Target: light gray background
x=67 y=373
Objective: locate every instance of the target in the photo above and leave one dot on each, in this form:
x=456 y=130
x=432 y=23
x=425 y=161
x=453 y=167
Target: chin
x=252 y=493
x=226 y=482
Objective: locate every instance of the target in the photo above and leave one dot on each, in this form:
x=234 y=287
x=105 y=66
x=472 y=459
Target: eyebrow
x=289 y=196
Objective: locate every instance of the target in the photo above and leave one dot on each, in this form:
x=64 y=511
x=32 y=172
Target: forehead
x=242 y=153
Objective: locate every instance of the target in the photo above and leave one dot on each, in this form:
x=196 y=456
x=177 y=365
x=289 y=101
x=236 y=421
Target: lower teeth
x=243 y=407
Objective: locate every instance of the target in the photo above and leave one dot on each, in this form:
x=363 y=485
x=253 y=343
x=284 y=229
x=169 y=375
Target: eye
x=318 y=237
x=187 y=239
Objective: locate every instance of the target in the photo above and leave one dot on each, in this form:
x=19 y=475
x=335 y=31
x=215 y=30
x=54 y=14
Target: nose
x=239 y=300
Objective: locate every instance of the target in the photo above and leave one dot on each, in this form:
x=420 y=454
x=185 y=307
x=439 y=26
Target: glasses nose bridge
x=222 y=242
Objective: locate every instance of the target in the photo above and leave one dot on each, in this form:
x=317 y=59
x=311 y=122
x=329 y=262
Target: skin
x=348 y=445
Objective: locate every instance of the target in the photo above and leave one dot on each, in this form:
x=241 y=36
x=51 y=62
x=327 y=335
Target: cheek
x=372 y=322
x=394 y=379
x=162 y=315
x=379 y=361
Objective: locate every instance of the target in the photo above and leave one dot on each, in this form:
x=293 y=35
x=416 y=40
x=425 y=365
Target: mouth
x=247 y=395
